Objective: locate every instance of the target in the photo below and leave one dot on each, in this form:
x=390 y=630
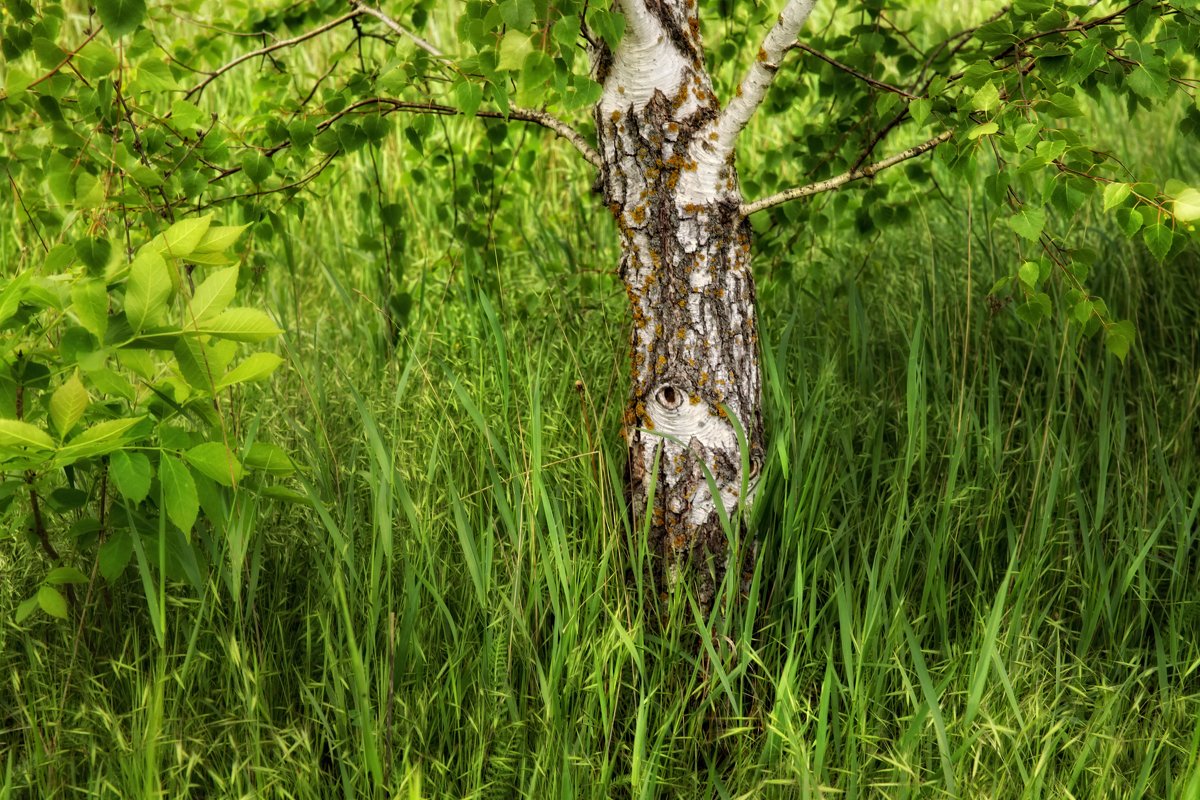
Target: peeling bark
x=685 y=262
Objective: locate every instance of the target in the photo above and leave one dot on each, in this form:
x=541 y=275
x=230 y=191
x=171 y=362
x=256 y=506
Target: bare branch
x=542 y=118
x=67 y=59
x=399 y=29
x=753 y=87
x=535 y=116
x=878 y=84
x=262 y=51
x=846 y=177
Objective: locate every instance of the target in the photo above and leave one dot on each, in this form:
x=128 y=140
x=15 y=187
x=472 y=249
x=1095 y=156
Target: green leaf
x=53 y=603
x=114 y=555
x=61 y=575
x=15 y=434
x=194 y=363
x=179 y=492
x=253 y=368
x=513 y=48
x=919 y=109
x=1150 y=81
x=214 y=460
x=986 y=129
x=269 y=458
x=89 y=191
x=13 y=293
x=101 y=438
x=301 y=132
x=1028 y=222
x=89 y=301
x=179 y=240
x=1130 y=220
x=121 y=16
x=1026 y=133
x=93 y=251
x=26 y=608
x=257 y=166
x=185 y=115
x=986 y=97
x=1186 y=206
x=220 y=238
x=211 y=296
x=1082 y=311
x=147 y=291
x=1030 y=273
x=1118 y=337
x=1158 y=239
x=240 y=325
x=67 y=404
x=95 y=60
x=131 y=473
x=469 y=95
x=1115 y=194
x=1036 y=309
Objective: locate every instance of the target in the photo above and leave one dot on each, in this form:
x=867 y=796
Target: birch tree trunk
x=668 y=176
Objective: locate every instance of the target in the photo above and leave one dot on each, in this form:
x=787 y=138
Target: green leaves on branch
x=121 y=16
x=120 y=380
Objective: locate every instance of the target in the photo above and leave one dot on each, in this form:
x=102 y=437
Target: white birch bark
x=669 y=179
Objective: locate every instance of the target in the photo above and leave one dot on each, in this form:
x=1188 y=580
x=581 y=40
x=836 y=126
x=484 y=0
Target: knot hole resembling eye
x=669 y=398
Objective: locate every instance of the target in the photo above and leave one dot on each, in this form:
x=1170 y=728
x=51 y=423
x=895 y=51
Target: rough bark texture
x=686 y=266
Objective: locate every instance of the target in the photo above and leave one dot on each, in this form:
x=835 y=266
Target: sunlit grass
x=978 y=542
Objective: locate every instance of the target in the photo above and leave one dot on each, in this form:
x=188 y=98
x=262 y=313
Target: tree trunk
x=685 y=263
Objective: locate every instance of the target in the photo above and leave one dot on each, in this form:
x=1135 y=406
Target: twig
x=401 y=30
x=878 y=84
x=67 y=59
x=846 y=177
x=533 y=115
x=262 y=51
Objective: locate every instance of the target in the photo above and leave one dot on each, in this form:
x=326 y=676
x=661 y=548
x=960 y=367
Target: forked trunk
x=694 y=421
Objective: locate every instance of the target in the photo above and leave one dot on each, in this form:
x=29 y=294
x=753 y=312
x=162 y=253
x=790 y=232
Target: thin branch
x=846 y=177
x=400 y=30
x=67 y=60
x=262 y=51
x=533 y=115
x=753 y=88
x=878 y=84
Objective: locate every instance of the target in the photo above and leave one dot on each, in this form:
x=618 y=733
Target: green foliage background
x=978 y=529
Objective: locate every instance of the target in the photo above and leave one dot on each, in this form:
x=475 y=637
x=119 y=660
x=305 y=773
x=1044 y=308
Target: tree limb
x=262 y=51
x=400 y=29
x=67 y=59
x=846 y=177
x=533 y=115
x=753 y=87
x=878 y=84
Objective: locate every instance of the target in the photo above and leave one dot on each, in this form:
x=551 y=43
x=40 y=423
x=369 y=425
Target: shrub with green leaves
x=114 y=374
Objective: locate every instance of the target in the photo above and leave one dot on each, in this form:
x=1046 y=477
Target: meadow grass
x=978 y=542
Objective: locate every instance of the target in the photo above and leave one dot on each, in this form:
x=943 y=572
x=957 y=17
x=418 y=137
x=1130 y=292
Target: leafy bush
x=112 y=379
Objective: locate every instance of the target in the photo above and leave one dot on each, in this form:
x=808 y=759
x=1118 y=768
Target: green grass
x=978 y=561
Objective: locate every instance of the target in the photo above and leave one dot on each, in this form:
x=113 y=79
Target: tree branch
x=400 y=30
x=262 y=51
x=533 y=115
x=887 y=87
x=753 y=87
x=67 y=60
x=847 y=177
